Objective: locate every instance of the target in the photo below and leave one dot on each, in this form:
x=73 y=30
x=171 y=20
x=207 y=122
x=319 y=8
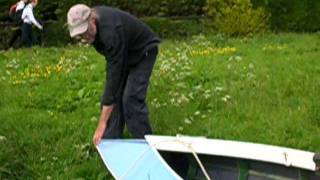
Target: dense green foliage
x=56 y=33
x=237 y=17
x=160 y=8
x=137 y=7
x=296 y=15
x=264 y=89
x=231 y=17
x=177 y=28
x=292 y=15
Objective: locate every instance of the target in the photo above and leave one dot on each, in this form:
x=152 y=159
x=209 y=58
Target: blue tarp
x=134 y=159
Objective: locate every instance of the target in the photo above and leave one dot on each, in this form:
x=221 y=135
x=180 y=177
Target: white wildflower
x=3 y=138
x=218 y=88
x=94 y=119
x=188 y=73
x=207 y=96
x=42 y=159
x=187 y=121
x=184 y=98
x=191 y=95
x=226 y=98
x=198 y=87
x=250 y=75
x=157 y=105
x=238 y=58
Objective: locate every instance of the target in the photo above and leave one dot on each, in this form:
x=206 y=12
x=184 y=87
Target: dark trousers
x=132 y=109
x=26 y=39
x=15 y=35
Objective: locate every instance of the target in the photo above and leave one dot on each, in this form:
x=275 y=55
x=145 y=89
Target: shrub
x=237 y=17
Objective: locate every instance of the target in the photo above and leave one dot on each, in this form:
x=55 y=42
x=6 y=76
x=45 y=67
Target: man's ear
x=93 y=20
x=93 y=17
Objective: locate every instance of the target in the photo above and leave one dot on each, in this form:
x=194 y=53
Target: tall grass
x=264 y=89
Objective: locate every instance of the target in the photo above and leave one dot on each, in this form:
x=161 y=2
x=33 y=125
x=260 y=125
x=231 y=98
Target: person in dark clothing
x=130 y=48
x=15 y=36
x=15 y=14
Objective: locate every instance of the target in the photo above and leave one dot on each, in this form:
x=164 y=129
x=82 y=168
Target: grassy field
x=263 y=89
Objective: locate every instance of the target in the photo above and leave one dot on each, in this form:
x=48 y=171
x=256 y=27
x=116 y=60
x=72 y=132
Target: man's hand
x=99 y=133
x=105 y=114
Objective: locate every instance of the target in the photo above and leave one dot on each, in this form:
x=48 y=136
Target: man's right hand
x=105 y=114
x=99 y=133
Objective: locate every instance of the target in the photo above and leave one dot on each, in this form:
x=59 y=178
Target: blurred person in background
x=15 y=14
x=28 y=19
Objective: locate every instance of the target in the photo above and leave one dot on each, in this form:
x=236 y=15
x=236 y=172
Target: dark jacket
x=122 y=39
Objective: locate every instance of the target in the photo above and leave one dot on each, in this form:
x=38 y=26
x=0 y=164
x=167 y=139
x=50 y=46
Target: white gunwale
x=235 y=149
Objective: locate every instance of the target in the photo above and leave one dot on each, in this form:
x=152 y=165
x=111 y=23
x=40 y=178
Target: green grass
x=264 y=89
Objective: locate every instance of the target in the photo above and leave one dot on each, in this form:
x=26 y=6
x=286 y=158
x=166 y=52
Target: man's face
x=34 y=4
x=90 y=34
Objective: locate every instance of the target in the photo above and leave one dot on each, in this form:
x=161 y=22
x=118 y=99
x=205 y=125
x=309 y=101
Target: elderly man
x=130 y=48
